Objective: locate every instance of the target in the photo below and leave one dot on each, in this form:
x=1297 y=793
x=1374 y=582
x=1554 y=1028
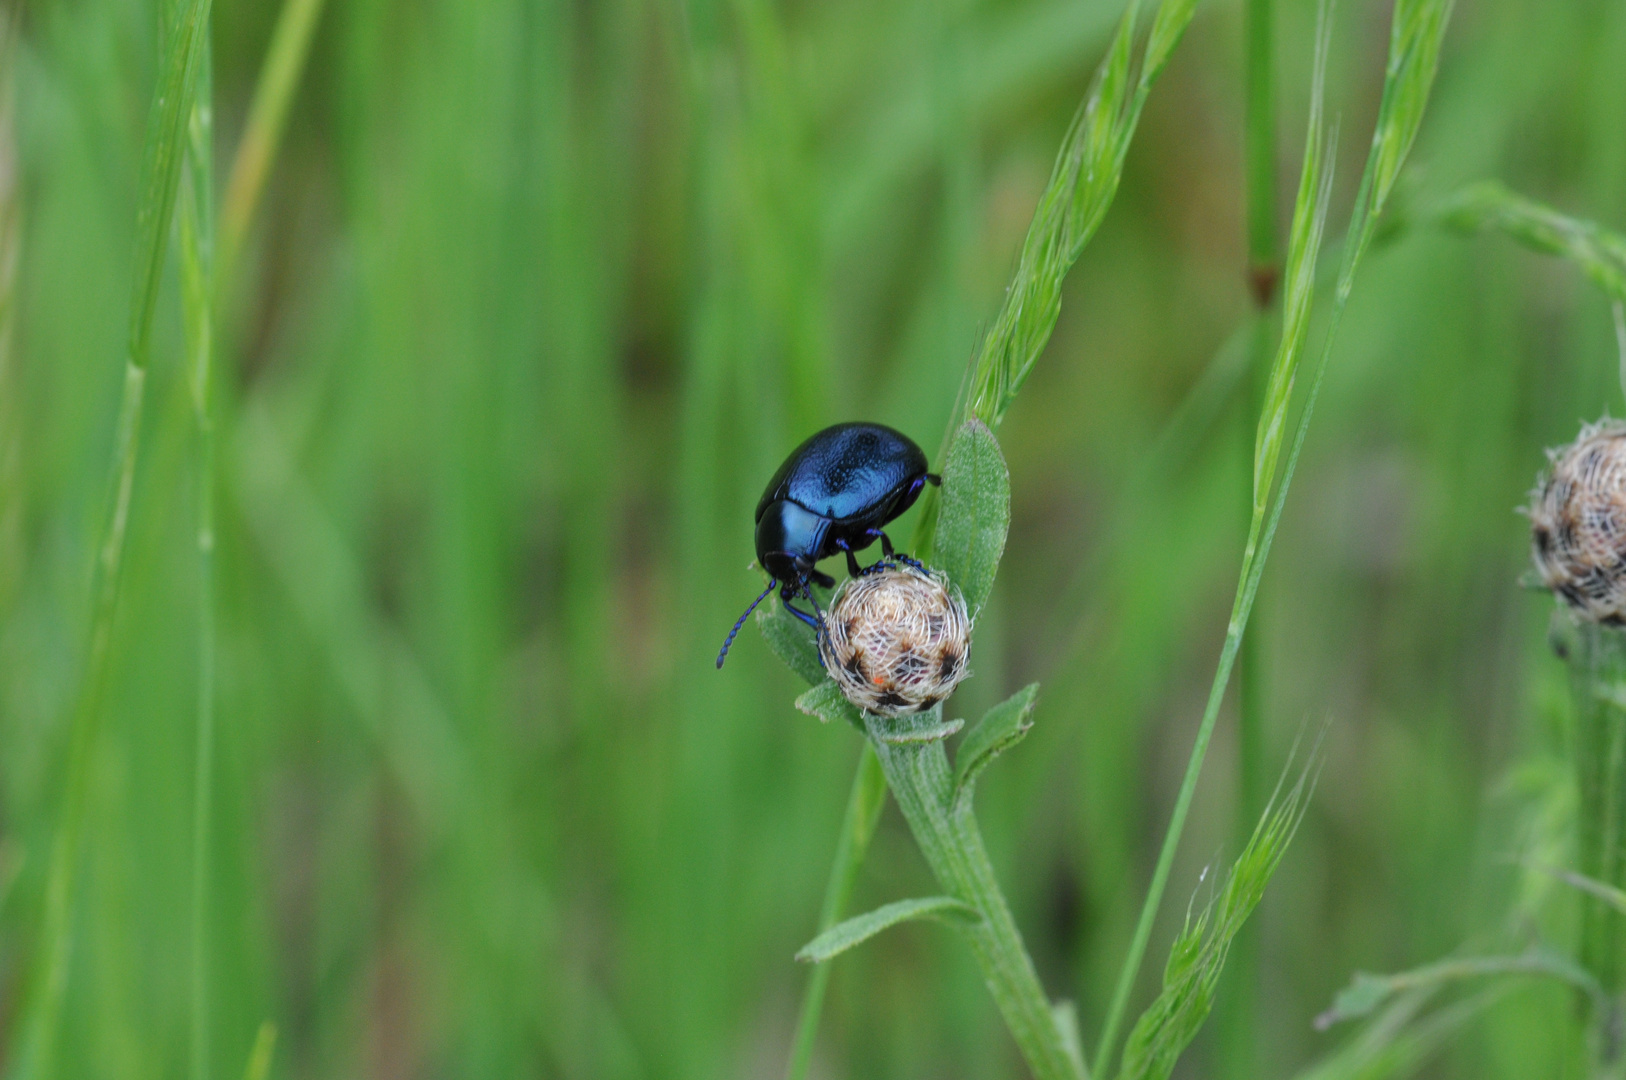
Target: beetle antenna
x=723 y=655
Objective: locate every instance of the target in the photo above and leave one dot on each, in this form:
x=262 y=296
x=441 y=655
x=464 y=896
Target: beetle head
x=788 y=540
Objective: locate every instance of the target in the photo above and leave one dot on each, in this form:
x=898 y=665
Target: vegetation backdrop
x=534 y=298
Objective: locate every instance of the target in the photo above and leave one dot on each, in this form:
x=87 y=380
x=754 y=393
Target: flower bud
x=1578 y=523
x=897 y=641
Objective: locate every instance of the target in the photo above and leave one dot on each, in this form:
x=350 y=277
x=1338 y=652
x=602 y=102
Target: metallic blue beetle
x=832 y=495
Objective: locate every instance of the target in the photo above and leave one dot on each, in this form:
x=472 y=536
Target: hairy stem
x=1597 y=662
x=921 y=780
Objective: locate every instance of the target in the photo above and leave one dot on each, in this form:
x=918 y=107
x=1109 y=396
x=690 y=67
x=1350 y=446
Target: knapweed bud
x=897 y=640
x=1578 y=523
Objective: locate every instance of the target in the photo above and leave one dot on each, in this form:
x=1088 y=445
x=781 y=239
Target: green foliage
x=793 y=642
x=1303 y=253
x=864 y=805
x=1417 y=28
x=1197 y=957
x=1416 y=32
x=1366 y=992
x=165 y=149
x=849 y=932
x=196 y=239
x=262 y=132
x=913 y=728
x=534 y=298
x=976 y=513
x=1001 y=728
x=826 y=701
x=1600 y=253
x=1082 y=185
x=1398 y=1041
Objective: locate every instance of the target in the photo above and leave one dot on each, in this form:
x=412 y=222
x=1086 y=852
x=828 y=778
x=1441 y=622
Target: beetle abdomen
x=847 y=471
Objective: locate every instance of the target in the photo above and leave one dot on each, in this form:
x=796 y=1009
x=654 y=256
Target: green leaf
x=791 y=640
x=1001 y=728
x=976 y=513
x=827 y=702
x=844 y=935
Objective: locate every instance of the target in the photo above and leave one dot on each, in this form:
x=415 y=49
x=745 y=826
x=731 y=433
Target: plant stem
x=197 y=237
x=1254 y=556
x=284 y=61
x=921 y=780
x=160 y=175
x=864 y=806
x=1597 y=663
x=1259 y=135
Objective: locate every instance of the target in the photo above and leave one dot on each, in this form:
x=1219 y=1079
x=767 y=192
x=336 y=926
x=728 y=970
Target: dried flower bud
x=1578 y=523
x=898 y=640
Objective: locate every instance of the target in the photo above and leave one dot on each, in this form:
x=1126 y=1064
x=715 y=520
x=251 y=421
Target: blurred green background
x=538 y=296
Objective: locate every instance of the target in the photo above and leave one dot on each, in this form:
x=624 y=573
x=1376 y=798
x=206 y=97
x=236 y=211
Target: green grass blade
x=1083 y=182
x=1198 y=955
x=258 y=1066
x=197 y=237
x=1303 y=248
x=860 y=928
x=284 y=62
x=1417 y=32
x=864 y=806
x=165 y=148
x=1615 y=898
x=1082 y=185
x=1259 y=135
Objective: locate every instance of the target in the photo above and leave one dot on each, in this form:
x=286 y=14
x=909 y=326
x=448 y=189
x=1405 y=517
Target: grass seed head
x=898 y=640
x=1578 y=523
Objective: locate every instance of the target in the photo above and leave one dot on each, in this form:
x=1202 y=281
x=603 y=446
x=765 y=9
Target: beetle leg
x=885 y=561
x=935 y=479
x=789 y=592
x=853 y=569
x=890 y=555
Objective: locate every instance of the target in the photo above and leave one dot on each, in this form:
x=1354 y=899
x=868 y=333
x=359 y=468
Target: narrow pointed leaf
x=1003 y=727
x=791 y=640
x=860 y=928
x=827 y=702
